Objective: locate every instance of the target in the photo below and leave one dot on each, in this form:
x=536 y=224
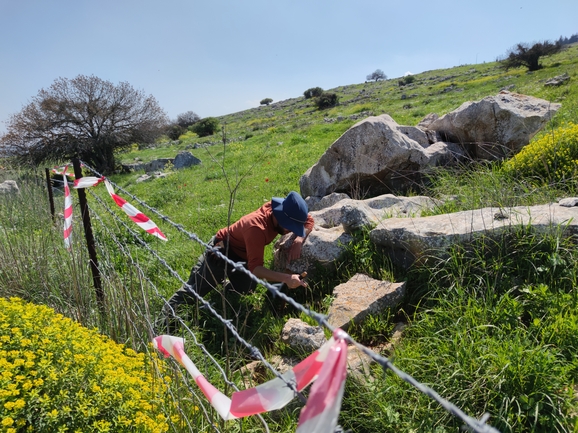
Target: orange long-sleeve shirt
x=248 y=236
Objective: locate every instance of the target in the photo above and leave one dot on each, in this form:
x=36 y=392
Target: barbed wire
x=473 y=424
x=182 y=322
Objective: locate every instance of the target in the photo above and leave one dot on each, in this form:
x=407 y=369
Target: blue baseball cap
x=291 y=212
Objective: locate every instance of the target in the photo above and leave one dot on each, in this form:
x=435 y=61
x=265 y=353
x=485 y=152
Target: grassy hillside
x=492 y=328
x=270 y=147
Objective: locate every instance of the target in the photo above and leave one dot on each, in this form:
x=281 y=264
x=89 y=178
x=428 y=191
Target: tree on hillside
x=266 y=101
x=567 y=41
x=184 y=120
x=377 y=75
x=206 y=126
x=179 y=126
x=326 y=100
x=85 y=117
x=529 y=56
x=313 y=92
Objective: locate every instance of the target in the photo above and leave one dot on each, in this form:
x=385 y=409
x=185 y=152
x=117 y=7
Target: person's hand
x=295 y=249
x=296 y=281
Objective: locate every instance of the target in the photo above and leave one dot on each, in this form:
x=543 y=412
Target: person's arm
x=292 y=280
x=295 y=248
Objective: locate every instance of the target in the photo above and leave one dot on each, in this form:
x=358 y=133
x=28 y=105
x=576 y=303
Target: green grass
x=492 y=328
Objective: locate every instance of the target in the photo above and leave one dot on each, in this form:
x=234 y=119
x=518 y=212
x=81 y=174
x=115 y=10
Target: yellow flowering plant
x=551 y=158
x=56 y=375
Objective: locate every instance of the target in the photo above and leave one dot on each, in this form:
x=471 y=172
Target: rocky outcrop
x=335 y=224
x=497 y=126
x=408 y=238
x=147 y=167
x=377 y=156
x=374 y=156
x=411 y=240
x=182 y=160
x=557 y=80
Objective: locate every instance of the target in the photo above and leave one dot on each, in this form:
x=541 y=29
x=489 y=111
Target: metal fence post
x=89 y=239
x=50 y=195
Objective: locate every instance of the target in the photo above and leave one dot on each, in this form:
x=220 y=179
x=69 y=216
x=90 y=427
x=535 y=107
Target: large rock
x=184 y=160
x=377 y=155
x=360 y=297
x=322 y=247
x=408 y=240
x=497 y=126
x=557 y=80
x=374 y=156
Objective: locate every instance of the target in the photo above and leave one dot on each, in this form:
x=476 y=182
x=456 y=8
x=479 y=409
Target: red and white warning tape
x=87 y=182
x=67 y=212
x=137 y=216
x=327 y=365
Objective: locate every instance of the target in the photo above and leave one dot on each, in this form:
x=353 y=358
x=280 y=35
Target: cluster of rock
x=377 y=155
x=557 y=80
x=182 y=160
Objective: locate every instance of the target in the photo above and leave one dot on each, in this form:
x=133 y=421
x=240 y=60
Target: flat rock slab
x=409 y=239
x=361 y=296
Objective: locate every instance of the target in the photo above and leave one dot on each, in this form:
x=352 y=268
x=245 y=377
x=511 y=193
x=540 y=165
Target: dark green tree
x=266 y=101
x=529 y=56
x=326 y=100
x=313 y=92
x=408 y=79
x=174 y=131
x=205 y=127
x=85 y=117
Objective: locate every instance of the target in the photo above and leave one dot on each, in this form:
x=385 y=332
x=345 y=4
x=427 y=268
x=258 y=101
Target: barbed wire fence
x=141 y=308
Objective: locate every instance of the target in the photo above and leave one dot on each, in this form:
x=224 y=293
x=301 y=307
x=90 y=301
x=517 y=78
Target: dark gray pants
x=207 y=274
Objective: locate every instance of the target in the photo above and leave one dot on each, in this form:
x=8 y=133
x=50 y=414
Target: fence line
x=478 y=426
x=190 y=332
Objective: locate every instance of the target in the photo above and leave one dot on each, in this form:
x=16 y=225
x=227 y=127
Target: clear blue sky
x=217 y=57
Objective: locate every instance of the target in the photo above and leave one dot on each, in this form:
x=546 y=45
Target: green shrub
x=408 y=79
x=266 y=101
x=205 y=127
x=551 y=158
x=313 y=92
x=58 y=376
x=174 y=131
x=326 y=100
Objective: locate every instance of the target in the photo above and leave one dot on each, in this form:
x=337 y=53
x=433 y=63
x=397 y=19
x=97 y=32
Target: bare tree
x=377 y=75
x=85 y=117
x=184 y=120
x=529 y=56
